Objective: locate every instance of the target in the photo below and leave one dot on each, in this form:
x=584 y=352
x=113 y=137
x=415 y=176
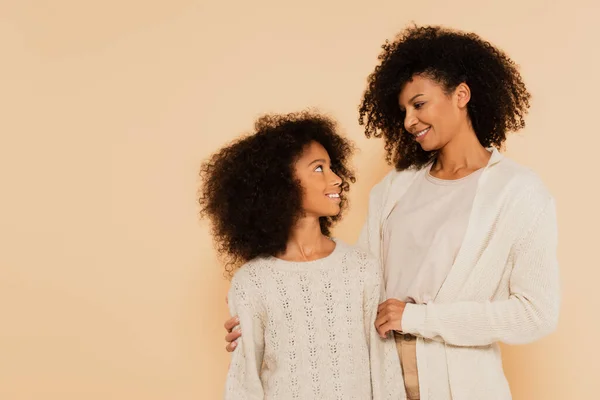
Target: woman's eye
x=418 y=105
x=319 y=168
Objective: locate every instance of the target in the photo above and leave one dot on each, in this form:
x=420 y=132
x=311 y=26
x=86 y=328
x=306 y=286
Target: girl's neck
x=307 y=242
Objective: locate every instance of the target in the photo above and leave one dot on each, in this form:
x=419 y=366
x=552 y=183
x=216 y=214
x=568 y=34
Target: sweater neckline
x=320 y=263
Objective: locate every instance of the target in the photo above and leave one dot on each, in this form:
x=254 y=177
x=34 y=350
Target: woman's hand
x=231 y=336
x=389 y=316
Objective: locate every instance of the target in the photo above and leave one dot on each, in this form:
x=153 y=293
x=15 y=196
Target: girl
x=306 y=303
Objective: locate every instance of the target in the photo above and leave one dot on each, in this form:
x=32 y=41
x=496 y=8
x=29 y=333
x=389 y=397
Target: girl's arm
x=243 y=378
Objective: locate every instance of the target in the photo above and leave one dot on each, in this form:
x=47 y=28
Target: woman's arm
x=243 y=377
x=386 y=382
x=530 y=313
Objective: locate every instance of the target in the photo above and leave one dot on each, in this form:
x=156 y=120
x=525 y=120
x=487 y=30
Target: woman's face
x=433 y=116
x=321 y=186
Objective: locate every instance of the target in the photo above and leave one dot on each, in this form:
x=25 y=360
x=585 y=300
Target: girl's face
x=321 y=186
x=433 y=116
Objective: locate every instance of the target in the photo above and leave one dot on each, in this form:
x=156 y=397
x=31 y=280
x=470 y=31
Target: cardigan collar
x=397 y=190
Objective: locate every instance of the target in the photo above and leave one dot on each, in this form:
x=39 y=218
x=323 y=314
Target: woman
x=467 y=237
x=307 y=303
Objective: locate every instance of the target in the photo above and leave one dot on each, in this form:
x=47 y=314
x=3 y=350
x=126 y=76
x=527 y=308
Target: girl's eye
x=319 y=168
x=419 y=105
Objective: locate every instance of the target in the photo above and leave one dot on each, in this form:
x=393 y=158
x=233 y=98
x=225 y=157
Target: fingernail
x=237 y=319
x=233 y=344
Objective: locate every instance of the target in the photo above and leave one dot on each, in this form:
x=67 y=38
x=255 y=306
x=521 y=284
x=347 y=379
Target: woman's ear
x=462 y=94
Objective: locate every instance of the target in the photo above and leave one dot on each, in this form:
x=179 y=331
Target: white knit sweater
x=308 y=331
x=503 y=286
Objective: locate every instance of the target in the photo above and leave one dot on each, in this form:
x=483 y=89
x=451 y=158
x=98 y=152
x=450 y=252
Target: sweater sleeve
x=243 y=378
x=386 y=382
x=530 y=312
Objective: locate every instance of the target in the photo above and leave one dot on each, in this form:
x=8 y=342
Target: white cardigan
x=503 y=286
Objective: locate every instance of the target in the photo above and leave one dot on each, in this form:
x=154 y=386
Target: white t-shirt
x=423 y=235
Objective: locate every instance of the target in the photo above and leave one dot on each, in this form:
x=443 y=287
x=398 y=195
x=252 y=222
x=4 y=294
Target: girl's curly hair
x=249 y=190
x=499 y=98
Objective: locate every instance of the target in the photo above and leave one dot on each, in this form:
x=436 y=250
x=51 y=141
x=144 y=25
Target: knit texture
x=308 y=330
x=503 y=286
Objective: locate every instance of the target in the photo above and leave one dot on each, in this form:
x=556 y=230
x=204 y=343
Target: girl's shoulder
x=252 y=271
x=358 y=259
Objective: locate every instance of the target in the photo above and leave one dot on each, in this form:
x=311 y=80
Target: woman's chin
x=428 y=146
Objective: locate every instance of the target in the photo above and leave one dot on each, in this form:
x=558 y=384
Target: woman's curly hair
x=249 y=190
x=499 y=98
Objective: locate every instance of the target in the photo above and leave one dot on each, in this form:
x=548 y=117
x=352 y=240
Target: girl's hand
x=389 y=316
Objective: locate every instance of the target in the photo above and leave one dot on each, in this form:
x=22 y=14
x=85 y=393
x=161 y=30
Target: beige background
x=109 y=288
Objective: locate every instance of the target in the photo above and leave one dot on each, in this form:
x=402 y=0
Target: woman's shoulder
x=393 y=179
x=520 y=180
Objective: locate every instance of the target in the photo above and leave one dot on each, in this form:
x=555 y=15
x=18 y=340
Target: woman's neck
x=461 y=156
x=307 y=242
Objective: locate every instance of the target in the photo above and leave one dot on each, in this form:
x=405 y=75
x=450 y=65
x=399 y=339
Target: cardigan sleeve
x=530 y=312
x=369 y=237
x=363 y=237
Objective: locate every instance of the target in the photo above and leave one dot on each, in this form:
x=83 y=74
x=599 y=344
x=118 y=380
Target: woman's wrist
x=413 y=319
